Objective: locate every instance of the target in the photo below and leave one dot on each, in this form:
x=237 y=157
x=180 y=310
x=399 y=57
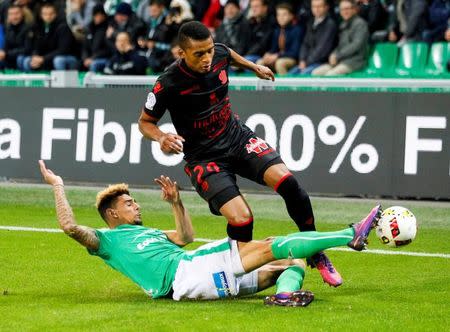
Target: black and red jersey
x=199 y=105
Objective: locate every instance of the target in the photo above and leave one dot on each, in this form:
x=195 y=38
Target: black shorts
x=215 y=178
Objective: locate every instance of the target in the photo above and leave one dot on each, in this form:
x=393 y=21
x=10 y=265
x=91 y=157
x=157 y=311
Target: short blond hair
x=106 y=198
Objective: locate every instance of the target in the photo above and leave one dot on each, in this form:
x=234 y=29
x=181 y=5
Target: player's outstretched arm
x=184 y=233
x=84 y=235
x=262 y=72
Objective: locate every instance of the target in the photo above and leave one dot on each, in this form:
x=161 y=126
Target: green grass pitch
x=48 y=282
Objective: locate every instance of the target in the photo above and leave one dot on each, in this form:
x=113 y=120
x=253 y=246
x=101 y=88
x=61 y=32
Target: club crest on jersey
x=223 y=76
x=256 y=145
x=157 y=88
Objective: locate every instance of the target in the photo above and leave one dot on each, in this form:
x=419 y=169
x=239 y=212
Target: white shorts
x=213 y=271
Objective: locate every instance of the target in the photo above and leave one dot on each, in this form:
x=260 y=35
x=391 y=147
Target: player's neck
x=184 y=67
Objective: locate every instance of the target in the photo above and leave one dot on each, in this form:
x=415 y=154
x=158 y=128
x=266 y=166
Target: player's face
x=127 y=210
x=198 y=55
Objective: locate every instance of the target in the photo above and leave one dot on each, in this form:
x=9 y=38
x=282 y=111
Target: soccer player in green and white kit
x=155 y=261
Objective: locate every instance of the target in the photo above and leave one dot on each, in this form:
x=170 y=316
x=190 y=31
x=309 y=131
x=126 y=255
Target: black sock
x=241 y=232
x=297 y=203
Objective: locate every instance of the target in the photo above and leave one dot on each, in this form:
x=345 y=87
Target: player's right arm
x=184 y=232
x=84 y=235
x=153 y=110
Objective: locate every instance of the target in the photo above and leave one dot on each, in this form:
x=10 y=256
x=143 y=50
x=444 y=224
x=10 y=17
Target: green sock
x=290 y=280
x=306 y=244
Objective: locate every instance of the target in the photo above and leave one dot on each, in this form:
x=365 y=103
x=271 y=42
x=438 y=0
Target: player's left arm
x=262 y=72
x=184 y=233
x=84 y=235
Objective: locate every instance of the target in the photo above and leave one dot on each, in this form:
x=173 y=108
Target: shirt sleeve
x=223 y=51
x=157 y=100
x=104 y=244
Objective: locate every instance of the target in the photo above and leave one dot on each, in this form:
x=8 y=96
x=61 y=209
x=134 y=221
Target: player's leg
x=300 y=210
x=288 y=276
x=305 y=244
x=259 y=162
x=239 y=217
x=217 y=185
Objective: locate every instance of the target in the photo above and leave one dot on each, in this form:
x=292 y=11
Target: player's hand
x=170 y=192
x=171 y=143
x=264 y=73
x=49 y=177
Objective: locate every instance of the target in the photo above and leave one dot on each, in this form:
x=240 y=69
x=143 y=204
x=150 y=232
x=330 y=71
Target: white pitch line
x=368 y=251
x=30 y=229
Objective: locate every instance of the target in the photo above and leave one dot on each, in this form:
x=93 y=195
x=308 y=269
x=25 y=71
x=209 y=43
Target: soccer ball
x=397 y=226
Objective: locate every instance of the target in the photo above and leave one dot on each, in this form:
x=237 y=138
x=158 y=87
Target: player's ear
x=181 y=53
x=111 y=213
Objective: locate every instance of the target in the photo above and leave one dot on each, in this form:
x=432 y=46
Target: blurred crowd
x=138 y=37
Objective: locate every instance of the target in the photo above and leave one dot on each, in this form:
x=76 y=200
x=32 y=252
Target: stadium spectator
x=447 y=32
x=126 y=60
x=410 y=21
x=52 y=45
x=438 y=20
x=154 y=259
x=173 y=55
x=156 y=41
x=179 y=12
x=2 y=36
x=125 y=20
x=234 y=30
x=210 y=16
x=16 y=33
x=286 y=41
x=96 y=51
x=79 y=16
x=29 y=8
x=351 y=52
x=261 y=28
x=376 y=16
x=2 y=46
x=112 y=5
x=320 y=39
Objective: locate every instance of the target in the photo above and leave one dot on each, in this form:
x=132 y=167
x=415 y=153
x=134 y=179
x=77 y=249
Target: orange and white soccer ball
x=397 y=226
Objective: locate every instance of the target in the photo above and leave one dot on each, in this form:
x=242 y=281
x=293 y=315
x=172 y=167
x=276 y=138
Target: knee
x=298 y=262
x=280 y=66
x=240 y=218
x=59 y=63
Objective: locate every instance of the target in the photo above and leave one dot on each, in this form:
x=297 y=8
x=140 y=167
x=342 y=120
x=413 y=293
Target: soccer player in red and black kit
x=216 y=144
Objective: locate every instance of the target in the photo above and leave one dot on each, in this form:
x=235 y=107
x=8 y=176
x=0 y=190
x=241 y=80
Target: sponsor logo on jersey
x=221 y=282
x=257 y=145
x=146 y=242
